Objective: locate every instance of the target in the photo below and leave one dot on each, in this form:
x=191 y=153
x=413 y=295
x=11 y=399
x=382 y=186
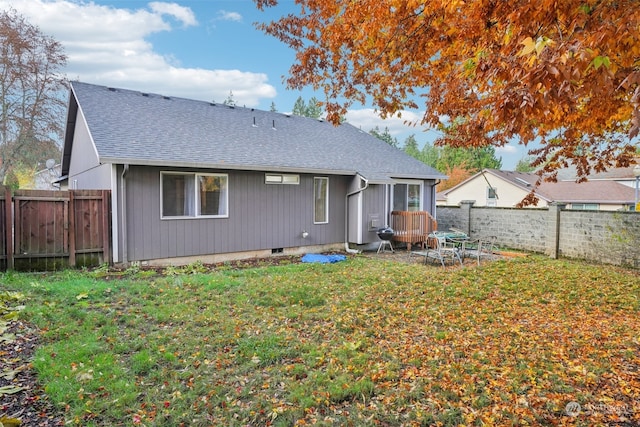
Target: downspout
x=346 y=215
x=434 y=202
x=123 y=222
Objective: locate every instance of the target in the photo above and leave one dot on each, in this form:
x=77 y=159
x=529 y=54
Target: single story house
x=201 y=180
x=498 y=188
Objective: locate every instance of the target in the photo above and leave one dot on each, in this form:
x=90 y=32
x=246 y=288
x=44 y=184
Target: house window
x=407 y=197
x=194 y=195
x=585 y=206
x=320 y=200
x=492 y=196
x=278 y=178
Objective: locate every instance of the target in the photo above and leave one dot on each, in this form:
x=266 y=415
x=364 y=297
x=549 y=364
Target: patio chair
x=440 y=250
x=478 y=249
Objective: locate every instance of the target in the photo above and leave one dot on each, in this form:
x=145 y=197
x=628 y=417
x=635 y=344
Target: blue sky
x=199 y=49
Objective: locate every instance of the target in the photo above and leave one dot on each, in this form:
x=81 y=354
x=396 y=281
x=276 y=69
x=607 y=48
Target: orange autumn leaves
x=563 y=74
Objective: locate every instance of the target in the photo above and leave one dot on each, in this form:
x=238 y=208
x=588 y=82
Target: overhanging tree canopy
x=565 y=74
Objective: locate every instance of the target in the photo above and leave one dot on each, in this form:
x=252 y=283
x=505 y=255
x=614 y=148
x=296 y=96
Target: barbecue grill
x=385 y=234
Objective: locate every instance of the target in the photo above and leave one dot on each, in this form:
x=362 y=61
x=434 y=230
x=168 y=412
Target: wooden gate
x=55 y=229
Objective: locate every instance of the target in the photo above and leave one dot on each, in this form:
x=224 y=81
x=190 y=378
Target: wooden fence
x=45 y=230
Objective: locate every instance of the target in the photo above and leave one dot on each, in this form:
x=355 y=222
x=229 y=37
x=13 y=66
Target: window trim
x=196 y=196
x=492 y=202
x=326 y=197
x=408 y=182
x=281 y=179
x=585 y=206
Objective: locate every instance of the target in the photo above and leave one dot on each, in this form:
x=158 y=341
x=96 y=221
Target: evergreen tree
x=524 y=164
x=300 y=107
x=313 y=109
x=411 y=147
x=230 y=101
x=385 y=136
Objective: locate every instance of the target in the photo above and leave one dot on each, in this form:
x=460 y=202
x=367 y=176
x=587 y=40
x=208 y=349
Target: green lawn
x=361 y=343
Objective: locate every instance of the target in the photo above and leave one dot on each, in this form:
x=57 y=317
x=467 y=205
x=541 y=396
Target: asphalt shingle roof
x=570 y=191
x=149 y=129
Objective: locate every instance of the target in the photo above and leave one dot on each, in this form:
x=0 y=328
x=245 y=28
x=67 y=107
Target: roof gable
x=148 y=129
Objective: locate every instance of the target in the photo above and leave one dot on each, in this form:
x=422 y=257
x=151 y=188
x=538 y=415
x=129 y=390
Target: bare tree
x=33 y=94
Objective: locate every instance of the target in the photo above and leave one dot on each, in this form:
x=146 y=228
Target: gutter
x=346 y=215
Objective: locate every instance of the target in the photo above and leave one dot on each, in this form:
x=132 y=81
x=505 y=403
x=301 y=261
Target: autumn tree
x=456 y=174
x=564 y=74
x=32 y=94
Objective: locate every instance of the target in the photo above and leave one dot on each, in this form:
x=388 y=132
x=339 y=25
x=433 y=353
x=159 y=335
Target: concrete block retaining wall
x=601 y=236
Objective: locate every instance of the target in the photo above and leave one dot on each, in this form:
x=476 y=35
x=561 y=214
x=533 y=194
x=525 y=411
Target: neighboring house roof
x=607 y=192
x=614 y=174
x=130 y=127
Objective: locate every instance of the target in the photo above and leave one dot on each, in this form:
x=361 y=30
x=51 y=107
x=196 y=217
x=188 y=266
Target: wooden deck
x=412 y=227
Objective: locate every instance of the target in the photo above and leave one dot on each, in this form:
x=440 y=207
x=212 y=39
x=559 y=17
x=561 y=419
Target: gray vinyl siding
x=429 y=196
x=261 y=216
x=84 y=155
x=98 y=178
x=85 y=171
x=373 y=208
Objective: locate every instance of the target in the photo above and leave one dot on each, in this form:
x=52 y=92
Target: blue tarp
x=323 y=259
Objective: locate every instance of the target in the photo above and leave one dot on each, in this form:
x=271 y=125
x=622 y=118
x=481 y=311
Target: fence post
x=72 y=229
x=553 y=230
x=9 y=224
x=465 y=208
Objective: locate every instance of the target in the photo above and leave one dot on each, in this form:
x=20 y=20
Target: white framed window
x=320 y=200
x=279 y=178
x=190 y=195
x=586 y=206
x=492 y=197
x=407 y=196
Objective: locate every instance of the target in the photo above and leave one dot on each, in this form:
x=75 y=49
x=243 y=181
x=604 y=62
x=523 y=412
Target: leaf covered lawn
x=362 y=343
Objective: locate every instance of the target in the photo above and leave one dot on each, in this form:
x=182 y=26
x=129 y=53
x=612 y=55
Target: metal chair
x=441 y=251
x=478 y=248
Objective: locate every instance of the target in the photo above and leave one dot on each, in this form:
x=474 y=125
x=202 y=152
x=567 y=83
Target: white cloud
x=108 y=46
x=507 y=149
x=229 y=16
x=368 y=119
x=181 y=13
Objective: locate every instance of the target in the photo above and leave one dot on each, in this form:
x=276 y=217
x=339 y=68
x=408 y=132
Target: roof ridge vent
x=112 y=89
x=522 y=181
x=144 y=94
x=167 y=97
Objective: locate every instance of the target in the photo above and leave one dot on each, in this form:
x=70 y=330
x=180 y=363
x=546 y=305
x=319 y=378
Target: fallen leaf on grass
x=10 y=389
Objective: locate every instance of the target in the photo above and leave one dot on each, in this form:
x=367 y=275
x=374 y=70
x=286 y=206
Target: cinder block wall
x=602 y=236
x=610 y=237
